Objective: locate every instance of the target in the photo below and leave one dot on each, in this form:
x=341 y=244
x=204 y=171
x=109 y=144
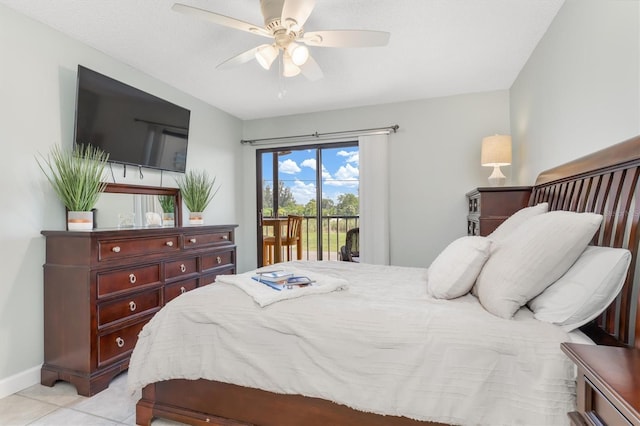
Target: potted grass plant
x=197 y=190
x=76 y=178
x=168 y=213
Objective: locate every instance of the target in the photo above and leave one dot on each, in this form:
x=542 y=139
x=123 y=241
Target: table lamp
x=496 y=152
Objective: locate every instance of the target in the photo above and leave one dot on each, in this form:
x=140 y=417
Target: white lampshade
x=266 y=54
x=496 y=152
x=289 y=69
x=299 y=53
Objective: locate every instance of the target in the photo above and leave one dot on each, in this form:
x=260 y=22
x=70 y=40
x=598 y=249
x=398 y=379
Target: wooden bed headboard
x=605 y=182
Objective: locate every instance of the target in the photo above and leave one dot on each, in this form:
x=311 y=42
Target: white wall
x=434 y=161
x=37 y=101
x=580 y=90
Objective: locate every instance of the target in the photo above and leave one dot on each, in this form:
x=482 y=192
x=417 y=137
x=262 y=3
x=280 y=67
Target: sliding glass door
x=319 y=182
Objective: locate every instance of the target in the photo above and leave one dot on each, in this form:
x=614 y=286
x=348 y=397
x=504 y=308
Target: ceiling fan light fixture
x=289 y=69
x=299 y=53
x=266 y=54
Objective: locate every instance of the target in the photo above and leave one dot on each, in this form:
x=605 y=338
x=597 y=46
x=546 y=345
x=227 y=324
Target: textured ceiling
x=437 y=48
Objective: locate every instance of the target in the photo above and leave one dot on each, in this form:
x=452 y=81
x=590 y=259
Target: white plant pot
x=79 y=221
x=168 y=219
x=196 y=218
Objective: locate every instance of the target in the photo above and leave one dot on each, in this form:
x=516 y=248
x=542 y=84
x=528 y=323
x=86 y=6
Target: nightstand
x=608 y=384
x=490 y=206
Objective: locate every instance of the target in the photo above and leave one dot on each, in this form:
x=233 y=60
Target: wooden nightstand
x=608 y=384
x=490 y=206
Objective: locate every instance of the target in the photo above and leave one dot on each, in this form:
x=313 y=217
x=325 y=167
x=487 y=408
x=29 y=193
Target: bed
x=264 y=345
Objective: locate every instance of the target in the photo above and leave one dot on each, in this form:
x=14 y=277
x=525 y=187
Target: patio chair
x=288 y=240
x=350 y=251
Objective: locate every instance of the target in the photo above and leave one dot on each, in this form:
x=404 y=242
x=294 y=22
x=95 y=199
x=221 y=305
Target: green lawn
x=310 y=239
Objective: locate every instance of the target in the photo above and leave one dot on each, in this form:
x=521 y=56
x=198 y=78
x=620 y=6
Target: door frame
x=275 y=149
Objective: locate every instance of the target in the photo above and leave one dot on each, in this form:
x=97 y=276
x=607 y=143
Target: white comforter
x=382 y=346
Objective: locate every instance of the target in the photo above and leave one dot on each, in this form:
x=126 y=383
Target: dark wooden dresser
x=490 y=206
x=608 y=385
x=101 y=287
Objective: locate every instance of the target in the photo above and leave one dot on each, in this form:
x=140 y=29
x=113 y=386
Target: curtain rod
x=318 y=136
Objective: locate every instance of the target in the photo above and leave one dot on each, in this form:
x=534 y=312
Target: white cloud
x=325 y=173
x=289 y=167
x=310 y=163
x=352 y=156
x=345 y=176
x=303 y=193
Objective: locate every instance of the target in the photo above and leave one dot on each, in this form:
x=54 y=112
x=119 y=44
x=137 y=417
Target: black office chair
x=350 y=251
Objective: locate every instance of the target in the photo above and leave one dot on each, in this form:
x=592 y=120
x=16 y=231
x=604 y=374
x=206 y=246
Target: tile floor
x=61 y=405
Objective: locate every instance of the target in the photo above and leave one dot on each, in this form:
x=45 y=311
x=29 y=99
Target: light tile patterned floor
x=61 y=405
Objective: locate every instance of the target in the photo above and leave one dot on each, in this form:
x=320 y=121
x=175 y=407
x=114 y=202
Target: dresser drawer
x=127 y=307
x=194 y=241
x=180 y=268
x=599 y=410
x=176 y=289
x=473 y=227
x=118 y=344
x=217 y=259
x=114 y=282
x=474 y=204
x=125 y=248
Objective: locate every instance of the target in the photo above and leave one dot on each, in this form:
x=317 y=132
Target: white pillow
x=456 y=268
x=586 y=290
x=533 y=256
x=517 y=219
x=507 y=227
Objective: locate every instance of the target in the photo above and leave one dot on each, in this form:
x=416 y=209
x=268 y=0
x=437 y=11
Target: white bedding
x=382 y=346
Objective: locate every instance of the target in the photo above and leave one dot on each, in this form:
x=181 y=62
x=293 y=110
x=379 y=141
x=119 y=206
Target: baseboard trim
x=19 y=381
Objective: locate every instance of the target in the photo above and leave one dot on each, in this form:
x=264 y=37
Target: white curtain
x=374 y=199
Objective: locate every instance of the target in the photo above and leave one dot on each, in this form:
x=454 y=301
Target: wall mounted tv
x=133 y=126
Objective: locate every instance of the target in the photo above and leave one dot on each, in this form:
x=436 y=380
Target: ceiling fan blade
x=346 y=38
x=238 y=59
x=296 y=12
x=220 y=19
x=311 y=70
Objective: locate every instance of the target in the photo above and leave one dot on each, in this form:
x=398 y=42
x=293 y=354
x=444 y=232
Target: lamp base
x=497 y=178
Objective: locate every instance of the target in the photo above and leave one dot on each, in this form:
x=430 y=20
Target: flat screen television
x=133 y=126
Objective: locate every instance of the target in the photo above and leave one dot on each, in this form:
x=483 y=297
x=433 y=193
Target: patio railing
x=334 y=231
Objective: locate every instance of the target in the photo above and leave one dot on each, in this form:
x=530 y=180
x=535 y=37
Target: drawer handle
x=169 y=243
x=219 y=260
x=132 y=278
x=119 y=342
x=116 y=249
x=182 y=267
x=225 y=237
x=132 y=306
x=183 y=290
x=192 y=240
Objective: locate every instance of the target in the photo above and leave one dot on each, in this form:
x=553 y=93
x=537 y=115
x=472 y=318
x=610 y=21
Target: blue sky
x=340 y=172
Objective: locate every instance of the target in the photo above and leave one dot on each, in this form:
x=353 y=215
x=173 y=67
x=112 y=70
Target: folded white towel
x=265 y=295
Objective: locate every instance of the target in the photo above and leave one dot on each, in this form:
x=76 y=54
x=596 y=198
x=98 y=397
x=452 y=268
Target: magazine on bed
x=282 y=280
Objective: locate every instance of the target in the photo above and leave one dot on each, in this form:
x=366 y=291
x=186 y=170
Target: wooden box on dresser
x=101 y=287
x=490 y=206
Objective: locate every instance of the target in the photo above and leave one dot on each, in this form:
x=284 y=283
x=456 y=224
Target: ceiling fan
x=283 y=22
